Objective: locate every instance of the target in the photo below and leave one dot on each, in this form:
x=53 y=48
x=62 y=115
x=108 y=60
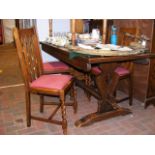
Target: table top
x=85 y=60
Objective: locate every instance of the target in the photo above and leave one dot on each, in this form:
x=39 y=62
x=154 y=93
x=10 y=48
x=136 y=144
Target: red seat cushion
x=54 y=81
x=55 y=66
x=121 y=71
x=96 y=70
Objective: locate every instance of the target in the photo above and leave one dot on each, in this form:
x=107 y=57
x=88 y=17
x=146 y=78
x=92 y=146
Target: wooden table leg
x=98 y=116
x=106 y=109
x=107 y=106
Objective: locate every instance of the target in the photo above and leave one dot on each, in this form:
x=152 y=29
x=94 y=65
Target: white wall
x=42 y=27
x=43 y=33
x=59 y=25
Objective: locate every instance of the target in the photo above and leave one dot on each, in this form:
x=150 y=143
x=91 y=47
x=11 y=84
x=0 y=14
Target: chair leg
x=28 y=108
x=87 y=79
x=74 y=98
x=130 y=90
x=41 y=103
x=63 y=112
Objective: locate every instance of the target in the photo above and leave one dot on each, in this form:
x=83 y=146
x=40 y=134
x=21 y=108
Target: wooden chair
x=43 y=85
x=125 y=35
x=52 y=66
x=125 y=70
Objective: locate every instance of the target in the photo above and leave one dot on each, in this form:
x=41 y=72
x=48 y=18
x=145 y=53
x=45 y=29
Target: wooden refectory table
x=107 y=106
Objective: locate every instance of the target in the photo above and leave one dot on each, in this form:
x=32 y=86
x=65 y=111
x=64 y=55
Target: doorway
x=8 y=25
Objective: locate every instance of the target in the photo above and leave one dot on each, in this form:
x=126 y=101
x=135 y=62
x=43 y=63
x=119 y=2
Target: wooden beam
x=3 y=35
x=50 y=27
x=104 y=31
x=73 y=31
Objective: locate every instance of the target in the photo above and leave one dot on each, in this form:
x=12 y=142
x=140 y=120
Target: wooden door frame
x=17 y=23
x=3 y=38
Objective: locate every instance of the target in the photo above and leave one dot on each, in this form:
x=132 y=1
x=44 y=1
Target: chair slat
x=28 y=42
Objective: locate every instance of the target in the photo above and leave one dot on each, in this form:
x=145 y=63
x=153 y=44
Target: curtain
x=26 y=23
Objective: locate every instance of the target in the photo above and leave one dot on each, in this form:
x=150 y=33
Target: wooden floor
x=13 y=121
x=9 y=65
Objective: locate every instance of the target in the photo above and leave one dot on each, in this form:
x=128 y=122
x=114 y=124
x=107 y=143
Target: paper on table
x=107 y=46
x=124 y=49
x=103 y=47
x=85 y=46
x=113 y=47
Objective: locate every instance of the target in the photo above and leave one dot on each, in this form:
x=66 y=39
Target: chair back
x=29 y=54
x=126 y=35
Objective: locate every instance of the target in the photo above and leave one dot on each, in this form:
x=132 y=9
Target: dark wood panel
x=139 y=82
x=151 y=79
x=144 y=25
x=143 y=74
x=151 y=76
x=153 y=38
